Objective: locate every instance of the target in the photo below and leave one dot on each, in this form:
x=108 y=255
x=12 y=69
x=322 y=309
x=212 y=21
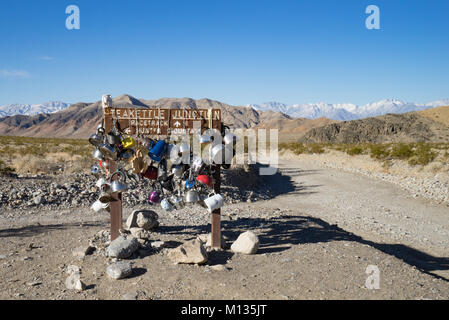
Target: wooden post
x=216 y=214
x=116 y=207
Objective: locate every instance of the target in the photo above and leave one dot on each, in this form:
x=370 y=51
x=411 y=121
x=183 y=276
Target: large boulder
x=191 y=251
x=246 y=243
x=122 y=247
x=145 y=219
x=119 y=270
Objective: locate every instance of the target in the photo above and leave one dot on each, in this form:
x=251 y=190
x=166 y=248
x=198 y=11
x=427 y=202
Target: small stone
x=119 y=270
x=71 y=269
x=133 y=295
x=34 y=282
x=140 y=233
x=158 y=244
x=246 y=243
x=38 y=200
x=219 y=267
x=83 y=251
x=73 y=282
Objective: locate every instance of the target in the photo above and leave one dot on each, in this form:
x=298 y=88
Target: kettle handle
x=100 y=131
x=120 y=173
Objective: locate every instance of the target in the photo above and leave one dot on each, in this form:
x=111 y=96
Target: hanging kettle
x=96 y=139
x=158 y=151
x=151 y=173
x=97 y=154
x=205 y=179
x=108 y=151
x=177 y=201
x=128 y=143
x=155 y=197
x=191 y=196
x=118 y=185
x=113 y=139
x=105 y=195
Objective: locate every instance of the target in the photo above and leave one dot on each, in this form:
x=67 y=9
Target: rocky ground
x=319 y=231
x=78 y=190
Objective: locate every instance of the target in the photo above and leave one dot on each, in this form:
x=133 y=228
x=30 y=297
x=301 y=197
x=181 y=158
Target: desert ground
x=323 y=225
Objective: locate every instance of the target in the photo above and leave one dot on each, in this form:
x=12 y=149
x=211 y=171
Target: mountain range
x=32 y=109
x=346 y=111
x=339 y=111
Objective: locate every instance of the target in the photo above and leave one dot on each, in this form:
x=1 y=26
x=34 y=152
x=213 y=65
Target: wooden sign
x=159 y=121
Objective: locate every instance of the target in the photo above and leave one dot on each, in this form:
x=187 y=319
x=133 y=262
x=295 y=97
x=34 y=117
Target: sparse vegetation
x=414 y=153
x=26 y=155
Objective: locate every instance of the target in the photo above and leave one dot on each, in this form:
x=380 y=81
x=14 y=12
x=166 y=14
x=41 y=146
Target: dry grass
x=26 y=155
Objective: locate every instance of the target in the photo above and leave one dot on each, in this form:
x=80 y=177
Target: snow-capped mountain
x=32 y=109
x=346 y=111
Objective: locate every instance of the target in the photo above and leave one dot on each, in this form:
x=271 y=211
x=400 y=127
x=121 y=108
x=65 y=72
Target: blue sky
x=238 y=52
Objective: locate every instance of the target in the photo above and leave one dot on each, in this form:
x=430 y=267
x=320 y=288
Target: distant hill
x=440 y=114
x=80 y=119
x=409 y=127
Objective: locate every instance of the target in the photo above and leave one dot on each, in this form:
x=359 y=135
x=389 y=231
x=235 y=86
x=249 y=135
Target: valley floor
x=318 y=235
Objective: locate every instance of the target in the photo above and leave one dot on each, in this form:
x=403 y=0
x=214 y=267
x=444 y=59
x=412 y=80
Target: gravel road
x=320 y=233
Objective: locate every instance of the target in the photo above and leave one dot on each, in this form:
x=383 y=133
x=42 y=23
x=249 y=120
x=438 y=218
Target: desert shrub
x=379 y=151
x=4 y=169
x=423 y=154
x=354 y=150
x=295 y=147
x=402 y=151
x=315 y=148
x=340 y=147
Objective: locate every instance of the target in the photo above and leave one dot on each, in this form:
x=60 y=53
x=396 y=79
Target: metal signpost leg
x=216 y=214
x=116 y=208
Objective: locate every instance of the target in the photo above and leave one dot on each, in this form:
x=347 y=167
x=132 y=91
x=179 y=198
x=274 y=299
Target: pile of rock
x=196 y=251
x=62 y=192
x=136 y=238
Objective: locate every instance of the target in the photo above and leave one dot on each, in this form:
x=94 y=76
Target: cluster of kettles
x=177 y=176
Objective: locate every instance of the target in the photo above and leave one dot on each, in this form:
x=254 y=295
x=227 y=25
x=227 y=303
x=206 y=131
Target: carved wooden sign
x=162 y=121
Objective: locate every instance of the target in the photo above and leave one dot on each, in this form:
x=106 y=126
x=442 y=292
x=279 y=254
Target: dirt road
x=321 y=237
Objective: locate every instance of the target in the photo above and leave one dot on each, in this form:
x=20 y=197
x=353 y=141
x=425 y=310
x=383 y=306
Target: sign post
x=163 y=122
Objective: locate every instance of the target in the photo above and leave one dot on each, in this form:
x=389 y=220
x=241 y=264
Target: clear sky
x=234 y=51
